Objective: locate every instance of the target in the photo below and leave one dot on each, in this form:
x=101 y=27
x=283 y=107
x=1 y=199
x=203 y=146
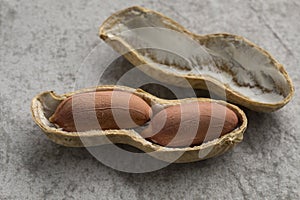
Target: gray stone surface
x=42 y=44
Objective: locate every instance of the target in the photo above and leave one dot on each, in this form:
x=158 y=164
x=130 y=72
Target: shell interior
x=231 y=60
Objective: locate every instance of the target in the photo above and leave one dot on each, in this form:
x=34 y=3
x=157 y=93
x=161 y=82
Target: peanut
x=189 y=124
x=101 y=110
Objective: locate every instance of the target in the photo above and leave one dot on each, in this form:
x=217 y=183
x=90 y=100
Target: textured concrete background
x=42 y=46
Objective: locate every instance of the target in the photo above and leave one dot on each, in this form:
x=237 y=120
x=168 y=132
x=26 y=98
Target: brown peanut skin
x=200 y=121
x=101 y=110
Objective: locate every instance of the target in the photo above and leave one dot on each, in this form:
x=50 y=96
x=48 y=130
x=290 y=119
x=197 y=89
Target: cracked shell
x=44 y=105
x=226 y=65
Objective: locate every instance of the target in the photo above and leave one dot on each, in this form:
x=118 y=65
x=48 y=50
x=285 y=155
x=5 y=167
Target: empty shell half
x=227 y=65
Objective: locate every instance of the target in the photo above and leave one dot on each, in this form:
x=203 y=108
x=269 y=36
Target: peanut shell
x=225 y=64
x=45 y=104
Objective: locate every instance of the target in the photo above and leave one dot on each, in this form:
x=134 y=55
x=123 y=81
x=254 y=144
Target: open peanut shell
x=45 y=104
x=221 y=63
